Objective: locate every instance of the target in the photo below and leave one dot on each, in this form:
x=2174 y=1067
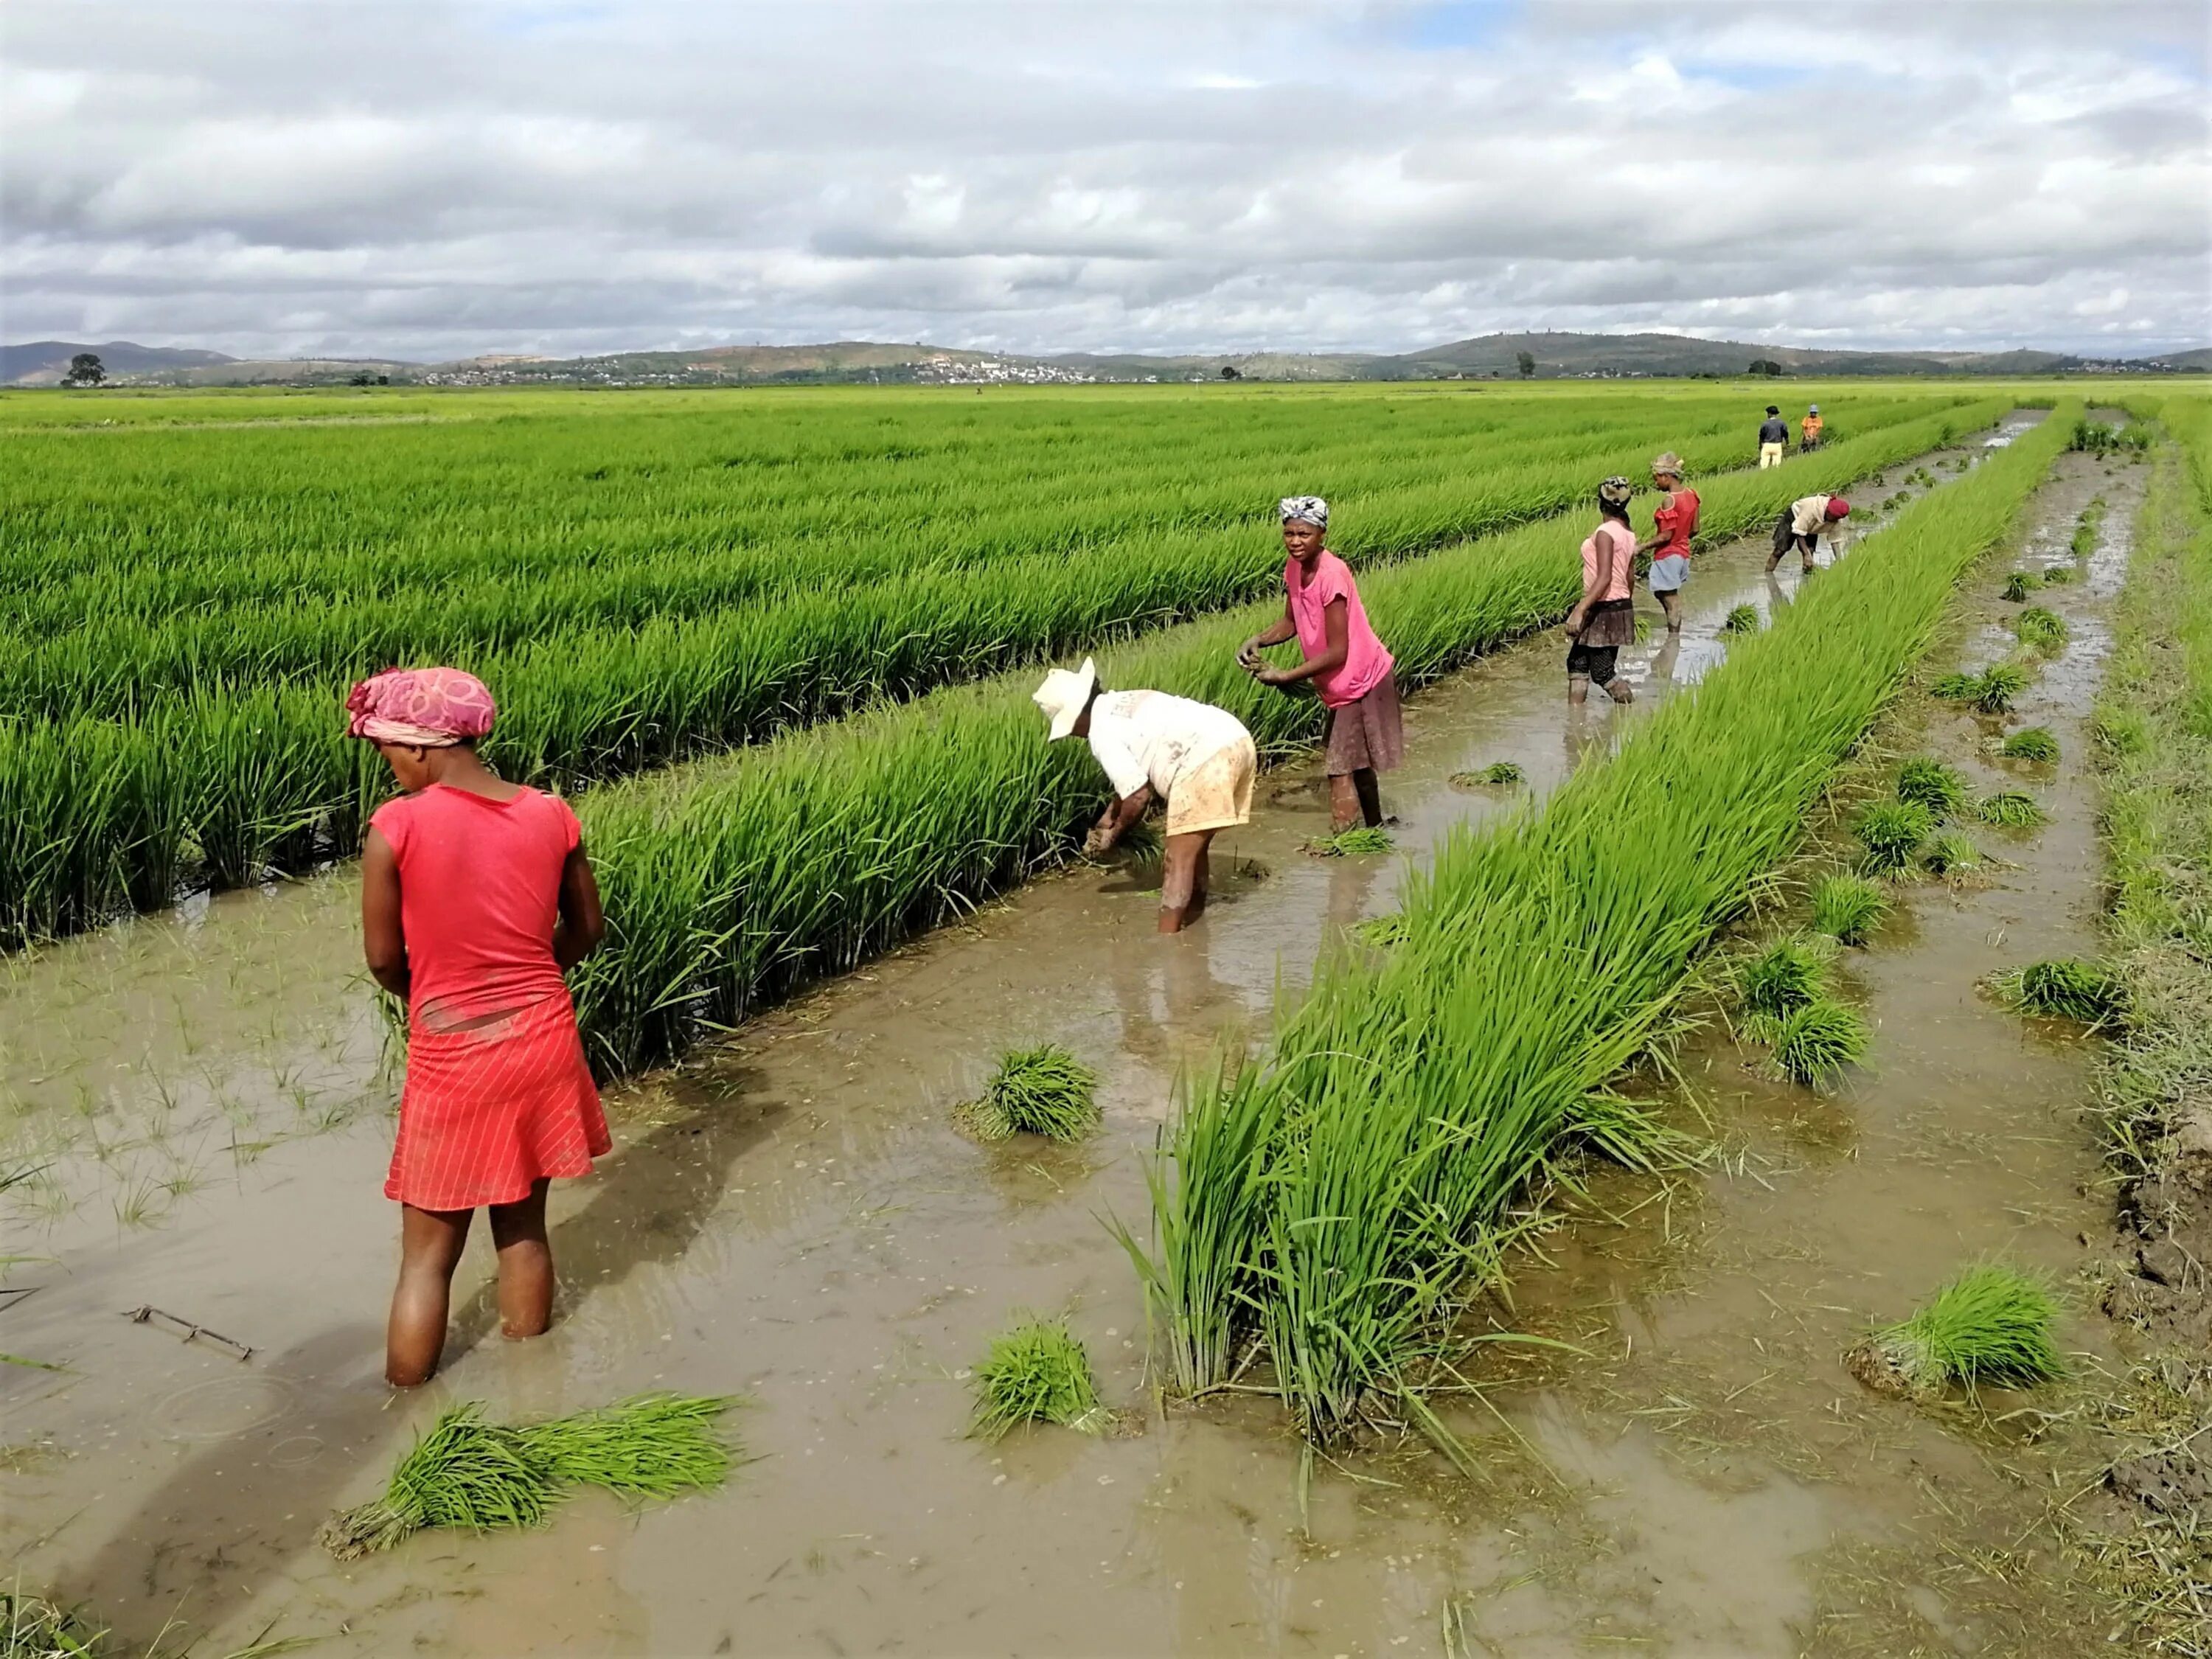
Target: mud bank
x=796 y=1216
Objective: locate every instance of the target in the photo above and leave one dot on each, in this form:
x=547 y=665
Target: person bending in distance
x=1341 y=657
x=476 y=897
x=1802 y=525
x=1154 y=746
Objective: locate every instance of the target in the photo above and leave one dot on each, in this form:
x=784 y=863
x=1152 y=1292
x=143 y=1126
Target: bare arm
x=1116 y=821
x=1281 y=629
x=1336 y=646
x=1593 y=591
x=382 y=941
x=581 y=926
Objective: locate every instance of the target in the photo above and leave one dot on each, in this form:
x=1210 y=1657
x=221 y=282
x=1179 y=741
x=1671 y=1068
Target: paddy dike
x=795 y=1217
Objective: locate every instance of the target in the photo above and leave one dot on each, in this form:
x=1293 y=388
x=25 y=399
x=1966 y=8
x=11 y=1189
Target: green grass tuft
x=1037 y=1372
x=32 y=1627
x=1992 y=691
x=1924 y=780
x=1361 y=839
x=1045 y=1090
x=1848 y=908
x=1501 y=772
x=2020 y=584
x=2059 y=576
x=1892 y=831
x=2031 y=743
x=2009 y=809
x=1952 y=853
x=1813 y=1043
x=1740 y=619
x=2064 y=988
x=1788 y=974
x=2040 y=628
x=1991 y=1324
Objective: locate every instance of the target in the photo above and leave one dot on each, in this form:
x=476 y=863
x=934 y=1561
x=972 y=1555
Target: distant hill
x=43 y=362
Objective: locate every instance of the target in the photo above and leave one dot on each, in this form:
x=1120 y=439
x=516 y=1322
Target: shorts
x=1668 y=573
x=1786 y=536
x=1369 y=735
x=1769 y=455
x=1216 y=793
x=1595 y=660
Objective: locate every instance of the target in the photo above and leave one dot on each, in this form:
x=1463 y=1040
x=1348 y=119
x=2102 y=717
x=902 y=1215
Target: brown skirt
x=1609 y=622
x=1367 y=736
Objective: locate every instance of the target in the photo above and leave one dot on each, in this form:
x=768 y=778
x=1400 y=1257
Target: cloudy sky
x=428 y=180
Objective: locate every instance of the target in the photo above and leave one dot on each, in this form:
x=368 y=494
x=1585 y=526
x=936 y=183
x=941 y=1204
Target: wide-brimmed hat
x=1065 y=695
x=1670 y=463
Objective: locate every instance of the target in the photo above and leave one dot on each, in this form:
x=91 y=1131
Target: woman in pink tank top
x=1604 y=617
x=476 y=897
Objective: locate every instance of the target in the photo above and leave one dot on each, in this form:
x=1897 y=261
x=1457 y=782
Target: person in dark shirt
x=1773 y=438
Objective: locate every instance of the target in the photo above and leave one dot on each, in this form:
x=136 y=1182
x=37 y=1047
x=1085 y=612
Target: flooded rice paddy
x=796 y=1218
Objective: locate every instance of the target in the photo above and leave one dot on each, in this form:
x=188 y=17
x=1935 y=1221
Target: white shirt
x=1809 y=515
x=1151 y=737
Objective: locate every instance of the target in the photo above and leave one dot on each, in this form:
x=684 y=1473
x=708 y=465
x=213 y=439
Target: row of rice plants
x=730 y=879
x=1334 y=1201
x=238 y=781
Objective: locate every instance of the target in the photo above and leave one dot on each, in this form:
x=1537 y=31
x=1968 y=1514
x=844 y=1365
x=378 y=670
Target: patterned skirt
x=490 y=1109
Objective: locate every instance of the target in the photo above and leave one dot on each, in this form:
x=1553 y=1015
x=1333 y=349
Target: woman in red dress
x=475 y=896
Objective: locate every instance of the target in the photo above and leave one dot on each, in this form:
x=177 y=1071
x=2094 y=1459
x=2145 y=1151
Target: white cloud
x=429 y=180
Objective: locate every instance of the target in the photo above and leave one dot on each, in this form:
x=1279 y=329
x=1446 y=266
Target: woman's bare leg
x=430 y=1243
x=1343 y=802
x=1370 y=797
x=525 y=1264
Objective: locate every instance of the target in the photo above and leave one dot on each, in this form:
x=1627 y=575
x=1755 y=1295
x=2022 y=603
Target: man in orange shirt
x=1809 y=430
x=1669 y=547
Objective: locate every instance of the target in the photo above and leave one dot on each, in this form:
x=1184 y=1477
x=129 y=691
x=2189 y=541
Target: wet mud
x=796 y=1216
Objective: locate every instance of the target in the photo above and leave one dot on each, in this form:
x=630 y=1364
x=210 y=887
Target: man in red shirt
x=1676 y=522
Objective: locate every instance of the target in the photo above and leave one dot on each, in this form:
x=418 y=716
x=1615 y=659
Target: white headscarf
x=1309 y=509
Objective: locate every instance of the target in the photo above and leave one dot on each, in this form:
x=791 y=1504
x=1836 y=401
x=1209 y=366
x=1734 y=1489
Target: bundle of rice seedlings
x=1359 y=840
x=2058 y=576
x=32 y=1627
x=2064 y=988
x=2009 y=809
x=1813 y=1041
x=1044 y=1090
x=2031 y=743
x=1788 y=974
x=1848 y=908
x=1952 y=853
x=1037 y=1372
x=1501 y=772
x=1990 y=1324
x=2040 y=628
x=467 y=1473
x=2020 y=584
x=1924 y=780
x=1740 y=619
x=1992 y=690
x=1892 y=831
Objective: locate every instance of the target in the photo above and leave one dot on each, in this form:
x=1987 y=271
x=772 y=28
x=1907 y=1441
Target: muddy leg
x=1179 y=880
x=1201 y=877
x=1370 y=797
x=1671 y=603
x=1577 y=689
x=430 y=1243
x=525 y=1264
x=1343 y=802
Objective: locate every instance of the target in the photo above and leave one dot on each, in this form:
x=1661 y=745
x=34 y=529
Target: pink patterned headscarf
x=429 y=707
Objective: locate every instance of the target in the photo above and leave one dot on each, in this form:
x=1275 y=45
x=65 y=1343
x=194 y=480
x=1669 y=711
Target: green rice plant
x=1952 y=853
x=2019 y=584
x=1381 y=932
x=2009 y=809
x=1740 y=619
x=32 y=1627
x=1924 y=780
x=1992 y=690
x=1501 y=772
x=1044 y=1090
x=1892 y=831
x=1816 y=1039
x=2057 y=575
x=1361 y=841
x=2123 y=731
x=2084 y=542
x=1992 y=1324
x=465 y=1473
x=2031 y=743
x=2039 y=629
x=1848 y=908
x=1788 y=974
x=2064 y=988
x=1037 y=1372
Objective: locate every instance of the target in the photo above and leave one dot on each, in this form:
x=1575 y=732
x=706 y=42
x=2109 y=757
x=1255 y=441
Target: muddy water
x=795 y=1217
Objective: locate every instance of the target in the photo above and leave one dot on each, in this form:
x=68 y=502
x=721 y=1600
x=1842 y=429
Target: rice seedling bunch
x=1815 y=1041
x=2063 y=988
x=1501 y=772
x=1037 y=1372
x=1992 y=1324
x=2019 y=584
x=1952 y=853
x=1361 y=841
x=2057 y=575
x=2031 y=743
x=1331 y=1205
x=1740 y=619
x=2009 y=809
x=652 y=1446
x=1044 y=1090
x=1892 y=831
x=462 y=1473
x=1924 y=780
x=32 y=1627
x=1848 y=908
x=2039 y=629
x=1788 y=974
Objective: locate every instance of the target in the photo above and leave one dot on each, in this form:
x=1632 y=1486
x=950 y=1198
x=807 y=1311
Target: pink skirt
x=488 y=1111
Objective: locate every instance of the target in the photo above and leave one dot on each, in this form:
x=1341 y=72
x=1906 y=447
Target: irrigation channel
x=794 y=1215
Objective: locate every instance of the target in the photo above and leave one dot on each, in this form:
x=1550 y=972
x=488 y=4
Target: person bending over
x=1802 y=525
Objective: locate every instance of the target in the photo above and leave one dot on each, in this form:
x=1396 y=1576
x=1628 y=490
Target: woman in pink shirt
x=1604 y=618
x=1346 y=662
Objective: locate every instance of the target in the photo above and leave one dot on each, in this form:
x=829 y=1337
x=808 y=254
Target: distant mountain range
x=43 y=362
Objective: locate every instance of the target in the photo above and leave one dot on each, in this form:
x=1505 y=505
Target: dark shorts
x=1786 y=537
x=1595 y=660
x=1367 y=736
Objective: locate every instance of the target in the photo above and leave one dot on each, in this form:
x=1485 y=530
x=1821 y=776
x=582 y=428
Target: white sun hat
x=1065 y=695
